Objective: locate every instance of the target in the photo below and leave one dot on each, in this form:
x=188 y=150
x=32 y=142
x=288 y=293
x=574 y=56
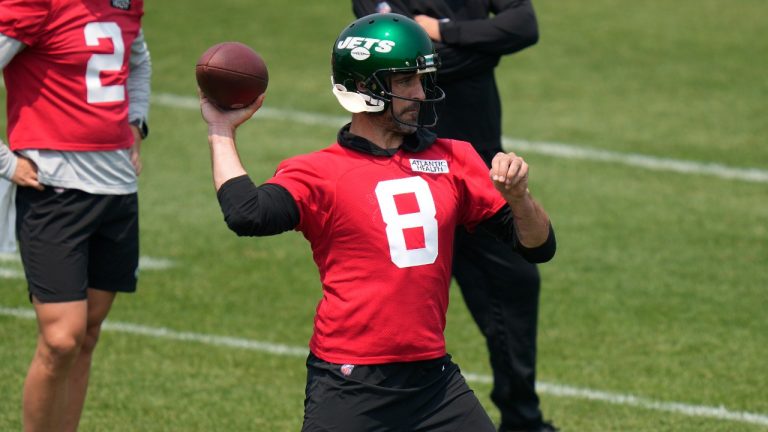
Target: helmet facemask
x=378 y=87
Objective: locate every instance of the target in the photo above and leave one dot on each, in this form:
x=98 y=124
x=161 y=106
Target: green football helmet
x=374 y=47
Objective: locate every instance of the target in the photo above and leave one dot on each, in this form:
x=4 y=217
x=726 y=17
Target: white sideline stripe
x=152 y=263
x=10 y=273
x=165 y=333
x=9 y=257
x=176 y=101
x=719 y=413
x=145 y=263
x=637 y=160
x=561 y=150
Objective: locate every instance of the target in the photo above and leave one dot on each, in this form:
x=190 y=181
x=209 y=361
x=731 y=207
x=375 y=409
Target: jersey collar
x=416 y=142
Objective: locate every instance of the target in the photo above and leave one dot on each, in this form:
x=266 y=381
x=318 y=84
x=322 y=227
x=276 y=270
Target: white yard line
x=653 y=163
x=720 y=413
x=154 y=263
x=9 y=257
x=559 y=390
x=560 y=150
x=146 y=263
x=6 y=273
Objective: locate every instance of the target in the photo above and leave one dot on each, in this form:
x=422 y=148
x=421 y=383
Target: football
x=231 y=74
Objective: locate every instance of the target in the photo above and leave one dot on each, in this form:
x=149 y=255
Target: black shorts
x=427 y=395
x=71 y=240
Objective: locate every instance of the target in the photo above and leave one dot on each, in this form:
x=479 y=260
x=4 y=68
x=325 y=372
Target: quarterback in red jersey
x=500 y=288
x=402 y=206
x=75 y=123
x=379 y=208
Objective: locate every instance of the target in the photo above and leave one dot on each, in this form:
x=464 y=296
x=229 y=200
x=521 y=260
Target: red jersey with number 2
x=381 y=230
x=67 y=87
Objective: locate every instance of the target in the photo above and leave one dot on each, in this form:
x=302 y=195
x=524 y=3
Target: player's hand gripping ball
x=231 y=75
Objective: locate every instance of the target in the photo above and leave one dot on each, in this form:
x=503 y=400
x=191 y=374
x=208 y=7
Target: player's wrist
x=517 y=198
x=141 y=126
x=221 y=134
x=222 y=129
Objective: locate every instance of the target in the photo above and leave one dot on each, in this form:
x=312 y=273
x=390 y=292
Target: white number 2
x=397 y=223
x=98 y=93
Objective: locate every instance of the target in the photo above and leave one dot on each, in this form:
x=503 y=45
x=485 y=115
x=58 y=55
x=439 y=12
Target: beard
x=406 y=119
x=397 y=122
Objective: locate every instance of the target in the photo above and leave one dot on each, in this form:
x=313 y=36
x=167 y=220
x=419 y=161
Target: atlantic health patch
x=429 y=166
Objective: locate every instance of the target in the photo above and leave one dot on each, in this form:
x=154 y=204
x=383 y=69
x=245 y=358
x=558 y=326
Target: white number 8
x=397 y=223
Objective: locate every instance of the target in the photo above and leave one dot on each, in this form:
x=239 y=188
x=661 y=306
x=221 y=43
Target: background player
x=379 y=208
x=77 y=75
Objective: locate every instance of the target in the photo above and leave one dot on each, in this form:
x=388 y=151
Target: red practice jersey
x=381 y=230
x=67 y=87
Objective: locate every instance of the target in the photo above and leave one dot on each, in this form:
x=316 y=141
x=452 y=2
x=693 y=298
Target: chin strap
x=355 y=102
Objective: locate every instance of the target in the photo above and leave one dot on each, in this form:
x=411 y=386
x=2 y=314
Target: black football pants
x=501 y=290
x=418 y=396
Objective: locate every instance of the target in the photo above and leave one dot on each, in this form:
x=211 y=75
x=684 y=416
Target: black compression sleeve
x=512 y=28
x=251 y=210
x=502 y=225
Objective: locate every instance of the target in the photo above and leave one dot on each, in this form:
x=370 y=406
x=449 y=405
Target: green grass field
x=653 y=314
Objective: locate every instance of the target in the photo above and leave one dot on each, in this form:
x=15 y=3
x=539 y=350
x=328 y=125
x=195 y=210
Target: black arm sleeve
x=502 y=225
x=362 y=8
x=251 y=210
x=512 y=28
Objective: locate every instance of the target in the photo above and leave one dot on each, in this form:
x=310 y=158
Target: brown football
x=231 y=74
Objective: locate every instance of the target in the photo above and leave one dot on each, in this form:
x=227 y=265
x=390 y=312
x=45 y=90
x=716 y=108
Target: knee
x=60 y=349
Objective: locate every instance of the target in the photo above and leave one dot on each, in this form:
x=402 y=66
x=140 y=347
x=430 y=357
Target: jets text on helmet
x=382 y=46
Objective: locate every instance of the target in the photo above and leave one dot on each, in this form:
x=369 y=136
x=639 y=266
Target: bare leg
x=99 y=303
x=56 y=384
x=61 y=330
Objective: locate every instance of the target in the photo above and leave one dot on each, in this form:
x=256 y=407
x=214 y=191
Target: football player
x=77 y=75
x=500 y=288
x=379 y=208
